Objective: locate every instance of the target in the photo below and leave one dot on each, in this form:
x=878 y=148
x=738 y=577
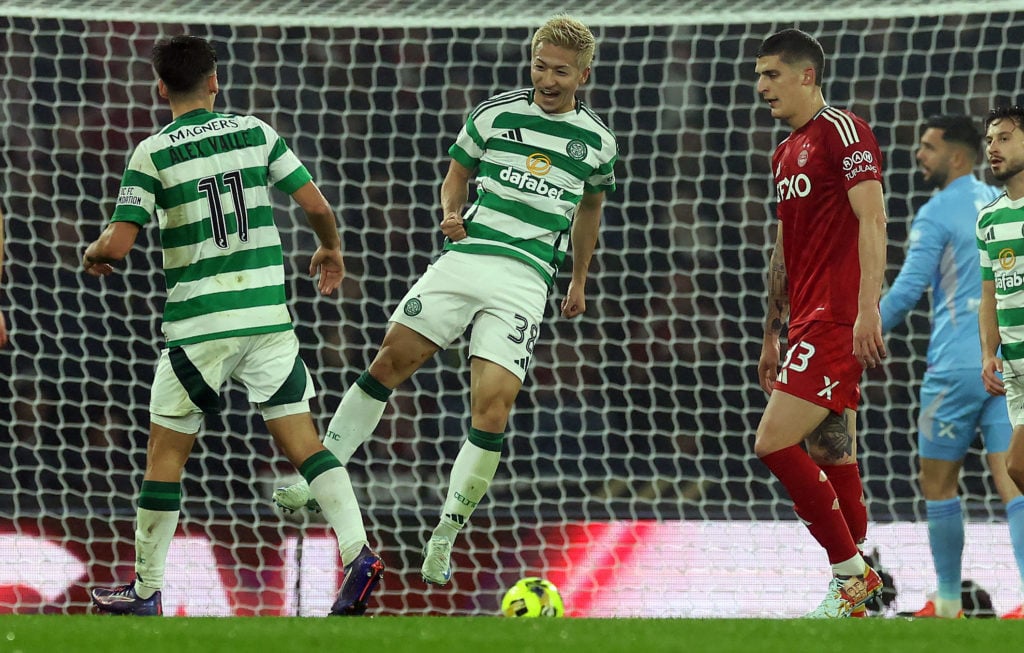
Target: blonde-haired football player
x=543 y=162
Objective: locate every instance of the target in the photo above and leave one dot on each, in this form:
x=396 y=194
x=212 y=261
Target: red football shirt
x=814 y=168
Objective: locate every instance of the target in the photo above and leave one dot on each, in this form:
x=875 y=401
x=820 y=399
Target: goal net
x=630 y=459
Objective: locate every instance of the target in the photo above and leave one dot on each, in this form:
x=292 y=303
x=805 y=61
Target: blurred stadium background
x=633 y=436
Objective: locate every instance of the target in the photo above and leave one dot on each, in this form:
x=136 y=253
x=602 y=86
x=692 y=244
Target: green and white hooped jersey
x=532 y=169
x=1001 y=244
x=206 y=177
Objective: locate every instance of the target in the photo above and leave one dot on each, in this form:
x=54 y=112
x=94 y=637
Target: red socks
x=846 y=482
x=815 y=500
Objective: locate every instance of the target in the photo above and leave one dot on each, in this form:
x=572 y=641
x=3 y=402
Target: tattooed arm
x=777 y=314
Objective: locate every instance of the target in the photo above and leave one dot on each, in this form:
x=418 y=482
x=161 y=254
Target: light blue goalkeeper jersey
x=943 y=256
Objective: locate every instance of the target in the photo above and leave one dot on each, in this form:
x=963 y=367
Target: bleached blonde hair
x=564 y=31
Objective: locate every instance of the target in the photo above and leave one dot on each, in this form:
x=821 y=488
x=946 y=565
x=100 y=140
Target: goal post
x=637 y=418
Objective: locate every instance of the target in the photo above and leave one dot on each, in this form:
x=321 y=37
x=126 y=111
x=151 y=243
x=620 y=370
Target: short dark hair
x=1014 y=113
x=957 y=128
x=183 y=62
x=793 y=45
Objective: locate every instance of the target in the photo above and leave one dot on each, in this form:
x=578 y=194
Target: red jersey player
x=827 y=280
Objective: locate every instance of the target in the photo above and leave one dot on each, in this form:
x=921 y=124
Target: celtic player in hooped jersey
x=206 y=177
x=527 y=191
x=543 y=163
x=1001 y=314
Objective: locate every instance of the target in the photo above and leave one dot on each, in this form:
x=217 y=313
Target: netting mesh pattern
x=644 y=408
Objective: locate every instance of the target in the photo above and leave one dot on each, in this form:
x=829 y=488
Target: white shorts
x=1013 y=381
x=502 y=298
x=189 y=378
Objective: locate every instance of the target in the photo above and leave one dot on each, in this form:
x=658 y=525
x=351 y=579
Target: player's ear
x=585 y=75
x=161 y=88
x=212 y=84
x=968 y=157
x=809 y=76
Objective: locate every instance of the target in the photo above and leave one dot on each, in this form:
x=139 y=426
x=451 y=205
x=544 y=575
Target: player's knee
x=771 y=436
x=390 y=367
x=1015 y=470
x=926 y=485
x=934 y=489
x=491 y=416
x=764 y=445
x=382 y=367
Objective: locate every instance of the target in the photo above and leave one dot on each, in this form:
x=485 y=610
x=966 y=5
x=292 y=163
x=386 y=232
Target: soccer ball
x=532 y=597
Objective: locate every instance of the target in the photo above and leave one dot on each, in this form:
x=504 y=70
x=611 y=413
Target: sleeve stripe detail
x=843 y=124
x=509 y=97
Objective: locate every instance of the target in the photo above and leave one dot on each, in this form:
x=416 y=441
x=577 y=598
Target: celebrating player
x=543 y=164
x=943 y=256
x=826 y=279
x=206 y=175
x=1002 y=290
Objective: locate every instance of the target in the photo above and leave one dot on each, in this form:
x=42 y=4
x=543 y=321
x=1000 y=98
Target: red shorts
x=820 y=366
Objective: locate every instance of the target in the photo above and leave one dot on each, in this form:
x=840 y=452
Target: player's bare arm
x=111 y=247
x=777 y=314
x=867 y=203
x=988 y=328
x=454 y=195
x=585 y=227
x=327 y=260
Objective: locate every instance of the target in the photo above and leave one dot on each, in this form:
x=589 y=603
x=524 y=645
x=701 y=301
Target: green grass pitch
x=84 y=633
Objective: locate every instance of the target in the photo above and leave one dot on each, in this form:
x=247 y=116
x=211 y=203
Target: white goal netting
x=638 y=415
